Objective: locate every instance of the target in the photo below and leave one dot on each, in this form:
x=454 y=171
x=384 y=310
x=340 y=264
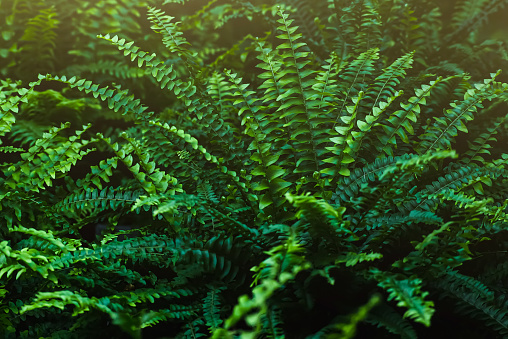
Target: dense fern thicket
x=339 y=176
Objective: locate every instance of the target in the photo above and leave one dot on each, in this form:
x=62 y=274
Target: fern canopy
x=339 y=176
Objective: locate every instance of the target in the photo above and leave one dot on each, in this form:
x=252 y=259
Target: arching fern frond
x=47 y=158
x=349 y=186
x=453 y=180
x=81 y=204
x=440 y=135
x=400 y=123
x=473 y=304
x=109 y=305
x=172 y=37
x=482 y=144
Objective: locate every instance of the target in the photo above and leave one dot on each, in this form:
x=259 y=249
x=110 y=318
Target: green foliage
x=322 y=179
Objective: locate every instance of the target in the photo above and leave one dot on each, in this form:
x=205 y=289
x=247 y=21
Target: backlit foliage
x=316 y=195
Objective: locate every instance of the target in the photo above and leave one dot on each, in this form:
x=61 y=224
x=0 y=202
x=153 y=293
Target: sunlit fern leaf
x=325 y=221
x=297 y=95
x=117 y=99
x=10 y=100
x=51 y=155
x=354 y=75
x=83 y=304
x=253 y=119
x=385 y=84
x=342 y=153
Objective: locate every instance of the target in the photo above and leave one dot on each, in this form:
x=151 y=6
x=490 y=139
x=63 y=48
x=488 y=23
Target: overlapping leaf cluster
x=333 y=177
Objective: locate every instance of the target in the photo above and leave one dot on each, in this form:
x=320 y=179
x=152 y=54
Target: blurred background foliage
x=60 y=37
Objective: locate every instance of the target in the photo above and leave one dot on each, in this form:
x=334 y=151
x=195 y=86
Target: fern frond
x=344 y=145
x=118 y=100
x=9 y=105
x=347 y=329
x=182 y=312
x=385 y=316
x=110 y=67
x=273 y=186
x=164 y=74
x=440 y=135
x=80 y=204
x=407 y=292
x=351 y=258
x=368 y=27
x=172 y=37
x=356 y=26
x=354 y=75
x=193 y=142
x=315 y=210
x=220 y=256
x=272 y=324
x=476 y=15
x=40 y=39
x=26 y=132
x=60 y=299
x=211 y=308
x=460 y=282
x=282 y=265
x=471 y=302
x=453 y=180
x=44 y=160
x=11 y=149
x=385 y=84
x=349 y=186
x=47 y=237
x=298 y=96
x=400 y=122
x=482 y=144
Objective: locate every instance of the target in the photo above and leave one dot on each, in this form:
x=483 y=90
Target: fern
x=385 y=316
x=211 y=309
x=440 y=135
x=407 y=293
x=39 y=38
x=325 y=167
